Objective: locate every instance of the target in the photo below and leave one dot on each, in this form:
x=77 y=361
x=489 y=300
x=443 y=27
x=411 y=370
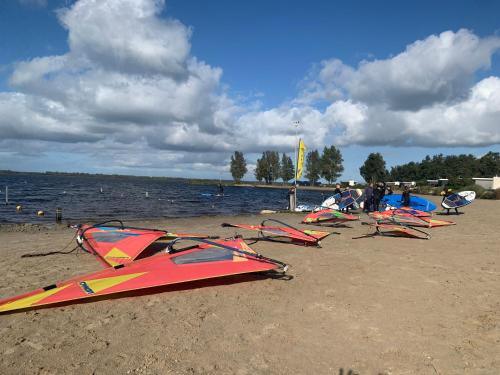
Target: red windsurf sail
x=307 y=237
x=328 y=215
x=402 y=219
x=411 y=211
x=395 y=216
x=396 y=230
x=437 y=223
x=114 y=245
x=211 y=259
x=403 y=211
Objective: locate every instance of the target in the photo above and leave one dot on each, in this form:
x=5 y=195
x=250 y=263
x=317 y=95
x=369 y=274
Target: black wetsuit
x=447 y=193
x=378 y=195
x=406 y=198
x=368 y=202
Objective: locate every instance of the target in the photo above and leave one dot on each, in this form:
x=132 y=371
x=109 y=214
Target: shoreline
x=49 y=221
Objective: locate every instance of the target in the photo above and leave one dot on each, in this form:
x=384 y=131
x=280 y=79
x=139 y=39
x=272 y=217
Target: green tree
x=454 y=167
x=331 y=164
x=374 y=168
x=260 y=169
x=238 y=166
x=268 y=167
x=287 y=168
x=489 y=164
x=313 y=167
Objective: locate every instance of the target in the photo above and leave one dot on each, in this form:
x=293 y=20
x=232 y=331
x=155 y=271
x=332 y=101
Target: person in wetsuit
x=368 y=202
x=406 y=196
x=378 y=195
x=446 y=192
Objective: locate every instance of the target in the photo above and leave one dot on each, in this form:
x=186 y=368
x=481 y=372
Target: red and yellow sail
x=220 y=258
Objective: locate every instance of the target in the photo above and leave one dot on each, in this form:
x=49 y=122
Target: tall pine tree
x=238 y=166
x=313 y=167
x=287 y=169
x=374 y=168
x=331 y=164
x=268 y=167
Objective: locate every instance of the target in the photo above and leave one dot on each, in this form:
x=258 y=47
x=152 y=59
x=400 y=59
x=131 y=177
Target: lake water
x=81 y=199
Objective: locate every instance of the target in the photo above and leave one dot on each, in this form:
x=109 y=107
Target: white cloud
x=128 y=76
x=127 y=36
x=440 y=68
x=472 y=122
x=325 y=82
x=424 y=96
x=435 y=70
x=130 y=91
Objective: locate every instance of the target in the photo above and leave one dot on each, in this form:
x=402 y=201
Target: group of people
x=374 y=195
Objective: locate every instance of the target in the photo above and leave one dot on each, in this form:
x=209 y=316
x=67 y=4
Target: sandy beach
x=371 y=305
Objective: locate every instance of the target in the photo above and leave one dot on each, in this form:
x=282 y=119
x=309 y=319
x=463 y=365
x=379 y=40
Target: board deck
x=457 y=200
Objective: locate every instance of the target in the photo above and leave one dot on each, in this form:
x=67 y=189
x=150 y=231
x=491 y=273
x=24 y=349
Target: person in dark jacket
x=378 y=195
x=337 y=189
x=446 y=192
x=368 y=202
x=406 y=196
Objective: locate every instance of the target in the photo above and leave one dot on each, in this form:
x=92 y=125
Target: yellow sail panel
x=98 y=285
x=31 y=300
x=116 y=253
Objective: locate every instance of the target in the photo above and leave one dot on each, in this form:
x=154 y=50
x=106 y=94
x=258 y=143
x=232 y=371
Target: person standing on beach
x=345 y=209
x=406 y=196
x=291 y=199
x=337 y=190
x=446 y=192
x=378 y=195
x=368 y=202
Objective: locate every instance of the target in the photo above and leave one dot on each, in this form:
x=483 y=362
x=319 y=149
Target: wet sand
x=371 y=305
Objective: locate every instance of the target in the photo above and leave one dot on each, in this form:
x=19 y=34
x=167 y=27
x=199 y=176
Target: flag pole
x=296 y=125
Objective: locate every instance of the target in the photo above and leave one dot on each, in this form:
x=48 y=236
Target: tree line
x=438 y=166
x=328 y=165
x=271 y=167
x=451 y=166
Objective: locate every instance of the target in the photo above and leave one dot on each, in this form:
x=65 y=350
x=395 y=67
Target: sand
x=373 y=306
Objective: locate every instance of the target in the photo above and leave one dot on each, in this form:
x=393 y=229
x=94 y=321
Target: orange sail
x=284 y=231
x=396 y=230
x=211 y=259
x=114 y=245
x=328 y=215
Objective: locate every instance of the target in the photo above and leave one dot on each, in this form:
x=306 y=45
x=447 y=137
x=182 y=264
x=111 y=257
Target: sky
x=173 y=88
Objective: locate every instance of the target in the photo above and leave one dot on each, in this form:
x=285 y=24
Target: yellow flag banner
x=300 y=159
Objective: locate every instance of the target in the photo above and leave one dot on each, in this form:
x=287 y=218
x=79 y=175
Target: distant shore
x=261 y=186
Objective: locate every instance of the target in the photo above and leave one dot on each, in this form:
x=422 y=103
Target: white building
x=438 y=182
x=487 y=182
